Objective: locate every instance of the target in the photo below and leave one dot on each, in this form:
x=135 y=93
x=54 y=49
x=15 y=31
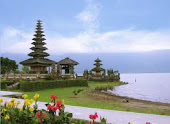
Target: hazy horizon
x=143 y=62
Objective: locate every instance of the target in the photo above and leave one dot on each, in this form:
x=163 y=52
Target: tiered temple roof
x=98 y=64
x=38 y=53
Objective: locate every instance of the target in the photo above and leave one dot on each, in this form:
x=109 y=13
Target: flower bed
x=30 y=114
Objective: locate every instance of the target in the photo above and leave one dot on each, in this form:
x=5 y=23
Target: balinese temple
x=98 y=70
x=99 y=74
x=66 y=66
x=38 y=63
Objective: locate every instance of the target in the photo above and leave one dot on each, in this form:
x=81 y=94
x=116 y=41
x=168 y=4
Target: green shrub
x=4 y=83
x=75 y=92
x=104 y=88
x=49 y=84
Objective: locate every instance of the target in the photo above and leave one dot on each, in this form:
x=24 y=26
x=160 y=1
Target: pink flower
x=148 y=123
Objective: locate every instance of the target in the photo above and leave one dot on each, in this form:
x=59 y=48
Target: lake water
x=145 y=86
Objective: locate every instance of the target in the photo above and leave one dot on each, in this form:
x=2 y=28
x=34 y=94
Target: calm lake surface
x=145 y=86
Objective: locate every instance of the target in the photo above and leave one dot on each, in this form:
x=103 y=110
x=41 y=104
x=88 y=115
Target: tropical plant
x=30 y=114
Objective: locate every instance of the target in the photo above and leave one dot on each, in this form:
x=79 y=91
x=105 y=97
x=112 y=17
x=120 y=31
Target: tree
x=8 y=65
x=25 y=70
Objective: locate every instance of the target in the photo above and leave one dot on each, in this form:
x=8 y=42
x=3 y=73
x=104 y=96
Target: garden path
x=113 y=117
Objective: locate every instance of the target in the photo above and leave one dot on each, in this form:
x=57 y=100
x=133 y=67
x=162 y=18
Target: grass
x=67 y=94
x=95 y=99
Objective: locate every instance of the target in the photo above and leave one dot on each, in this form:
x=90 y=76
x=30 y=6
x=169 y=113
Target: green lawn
x=95 y=99
x=82 y=99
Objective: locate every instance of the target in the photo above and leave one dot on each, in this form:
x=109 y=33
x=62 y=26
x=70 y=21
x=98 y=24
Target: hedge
x=4 y=83
x=49 y=84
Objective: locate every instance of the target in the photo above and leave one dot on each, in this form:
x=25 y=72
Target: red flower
x=39 y=114
x=53 y=97
x=49 y=107
x=148 y=123
x=93 y=117
x=52 y=108
x=59 y=104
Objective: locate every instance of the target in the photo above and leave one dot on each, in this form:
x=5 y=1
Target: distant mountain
x=144 y=62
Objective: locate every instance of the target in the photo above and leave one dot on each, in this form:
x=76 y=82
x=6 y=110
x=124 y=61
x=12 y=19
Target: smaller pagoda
x=99 y=74
x=38 y=62
x=98 y=70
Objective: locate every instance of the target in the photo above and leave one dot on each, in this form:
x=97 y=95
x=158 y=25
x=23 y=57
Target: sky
x=86 y=26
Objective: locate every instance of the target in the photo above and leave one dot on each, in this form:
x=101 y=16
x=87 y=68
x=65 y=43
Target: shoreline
x=130 y=98
x=126 y=97
x=123 y=103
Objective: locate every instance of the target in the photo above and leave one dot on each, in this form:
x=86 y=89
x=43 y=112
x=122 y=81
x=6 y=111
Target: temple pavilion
x=38 y=62
x=98 y=70
x=66 y=66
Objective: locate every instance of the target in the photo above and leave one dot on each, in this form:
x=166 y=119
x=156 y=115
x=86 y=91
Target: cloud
x=89 y=16
x=127 y=40
x=90 y=41
x=12 y=40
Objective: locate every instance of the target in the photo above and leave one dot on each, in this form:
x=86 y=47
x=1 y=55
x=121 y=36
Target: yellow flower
x=36 y=96
x=9 y=104
x=21 y=109
x=4 y=110
x=1 y=100
x=18 y=102
x=24 y=96
x=31 y=109
x=7 y=117
x=31 y=100
x=13 y=100
x=28 y=102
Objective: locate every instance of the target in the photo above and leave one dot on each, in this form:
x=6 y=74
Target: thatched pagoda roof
x=98 y=69
x=97 y=60
x=97 y=64
x=67 y=61
x=38 y=54
x=37 y=61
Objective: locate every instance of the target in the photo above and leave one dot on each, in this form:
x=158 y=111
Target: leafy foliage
x=25 y=70
x=48 y=84
x=54 y=114
x=6 y=83
x=8 y=65
x=75 y=92
x=104 y=88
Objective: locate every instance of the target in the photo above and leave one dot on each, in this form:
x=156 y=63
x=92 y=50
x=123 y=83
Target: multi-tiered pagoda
x=98 y=69
x=38 y=62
